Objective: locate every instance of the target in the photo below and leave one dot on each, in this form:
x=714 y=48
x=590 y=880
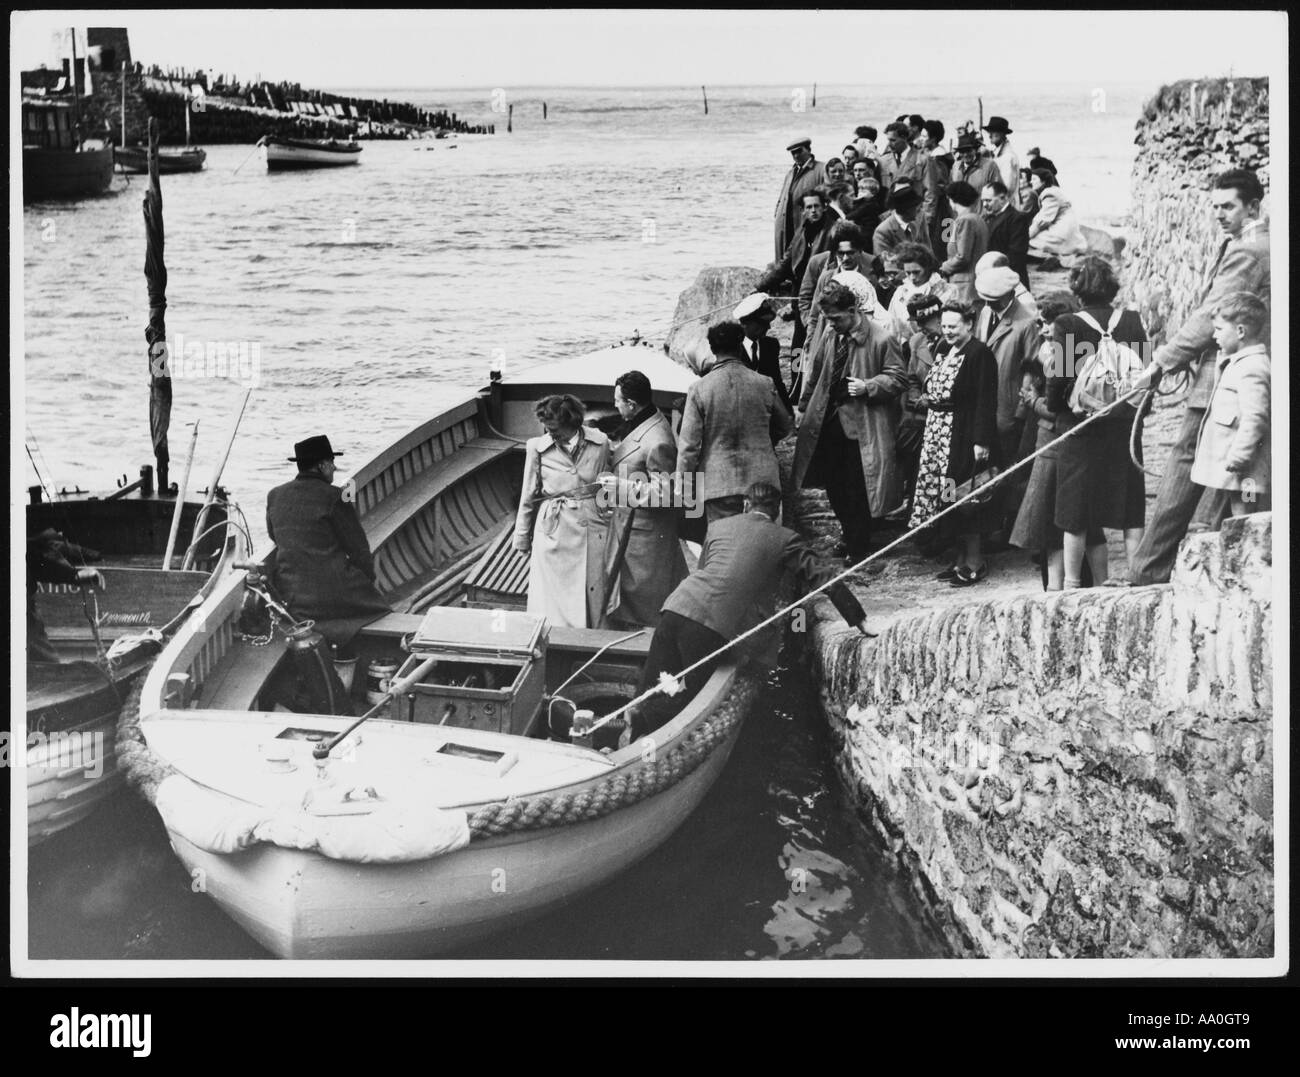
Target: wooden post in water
x=814 y=101
x=706 y=100
x=510 y=119
x=981 y=101
x=543 y=110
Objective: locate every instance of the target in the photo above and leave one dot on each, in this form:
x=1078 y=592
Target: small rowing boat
x=283 y=154
x=470 y=797
x=135 y=159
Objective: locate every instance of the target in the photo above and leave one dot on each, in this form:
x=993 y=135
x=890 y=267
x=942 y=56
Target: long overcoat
x=323 y=566
x=653 y=563
x=799 y=180
x=871 y=419
x=565 y=536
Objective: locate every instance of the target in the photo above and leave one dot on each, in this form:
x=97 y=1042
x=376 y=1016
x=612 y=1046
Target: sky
x=646 y=47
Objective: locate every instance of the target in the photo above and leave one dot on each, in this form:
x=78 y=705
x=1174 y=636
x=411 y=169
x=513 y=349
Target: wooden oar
x=180 y=501
x=623 y=539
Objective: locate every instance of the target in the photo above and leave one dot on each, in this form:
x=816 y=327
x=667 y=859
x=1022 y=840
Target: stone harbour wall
x=1085 y=774
x=1188 y=133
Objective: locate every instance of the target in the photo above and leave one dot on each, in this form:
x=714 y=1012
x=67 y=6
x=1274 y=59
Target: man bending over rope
x=740 y=568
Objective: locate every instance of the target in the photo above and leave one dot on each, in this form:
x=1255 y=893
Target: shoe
x=948 y=574
x=968 y=577
x=901 y=513
x=1117 y=581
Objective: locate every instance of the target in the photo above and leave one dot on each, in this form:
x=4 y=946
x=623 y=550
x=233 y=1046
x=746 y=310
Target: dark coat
x=323 y=568
x=769 y=365
x=1009 y=234
x=975 y=410
x=892 y=232
x=808 y=241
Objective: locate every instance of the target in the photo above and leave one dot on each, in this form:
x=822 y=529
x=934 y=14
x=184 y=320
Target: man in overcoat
x=850 y=413
x=731 y=421
x=804 y=175
x=643 y=460
x=322 y=565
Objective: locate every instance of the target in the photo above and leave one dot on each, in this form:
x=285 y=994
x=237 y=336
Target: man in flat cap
x=805 y=174
x=321 y=565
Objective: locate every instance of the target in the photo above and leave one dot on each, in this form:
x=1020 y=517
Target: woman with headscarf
x=1054 y=231
x=960 y=443
x=559 y=523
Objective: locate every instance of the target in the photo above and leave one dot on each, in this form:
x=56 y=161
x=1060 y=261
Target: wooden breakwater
x=223 y=112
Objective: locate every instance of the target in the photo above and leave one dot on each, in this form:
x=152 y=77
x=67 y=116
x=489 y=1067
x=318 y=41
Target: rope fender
x=623 y=790
x=144 y=770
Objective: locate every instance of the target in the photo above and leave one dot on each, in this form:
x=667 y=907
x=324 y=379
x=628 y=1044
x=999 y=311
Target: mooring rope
x=670 y=684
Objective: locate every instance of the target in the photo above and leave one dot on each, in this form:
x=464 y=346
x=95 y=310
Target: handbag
x=974 y=483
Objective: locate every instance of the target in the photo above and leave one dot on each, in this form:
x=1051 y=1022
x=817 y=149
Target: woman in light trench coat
x=564 y=536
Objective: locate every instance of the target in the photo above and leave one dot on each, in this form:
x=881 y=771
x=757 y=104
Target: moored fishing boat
x=56 y=162
x=283 y=154
x=465 y=801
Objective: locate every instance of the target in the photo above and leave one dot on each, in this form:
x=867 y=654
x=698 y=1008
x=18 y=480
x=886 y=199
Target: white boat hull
x=69 y=774
x=304 y=905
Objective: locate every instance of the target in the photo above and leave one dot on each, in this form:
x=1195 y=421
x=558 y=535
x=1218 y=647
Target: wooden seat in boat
x=235 y=682
x=500 y=578
x=394 y=511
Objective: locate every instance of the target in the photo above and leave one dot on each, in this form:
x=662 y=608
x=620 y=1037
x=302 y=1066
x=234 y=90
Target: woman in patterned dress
x=960 y=439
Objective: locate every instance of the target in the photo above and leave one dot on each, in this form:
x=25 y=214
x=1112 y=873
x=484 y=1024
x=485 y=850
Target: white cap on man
x=750 y=305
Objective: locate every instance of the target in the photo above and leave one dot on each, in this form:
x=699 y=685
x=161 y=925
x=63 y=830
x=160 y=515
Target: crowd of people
x=924 y=364
x=922 y=367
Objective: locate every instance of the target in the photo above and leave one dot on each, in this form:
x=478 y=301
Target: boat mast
x=76 y=103
x=123 y=104
x=155 y=274
x=187 y=119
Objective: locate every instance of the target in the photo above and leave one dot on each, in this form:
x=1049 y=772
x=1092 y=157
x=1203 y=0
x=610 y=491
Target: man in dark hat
x=900 y=226
x=1004 y=157
x=805 y=174
x=970 y=167
x=321 y=565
